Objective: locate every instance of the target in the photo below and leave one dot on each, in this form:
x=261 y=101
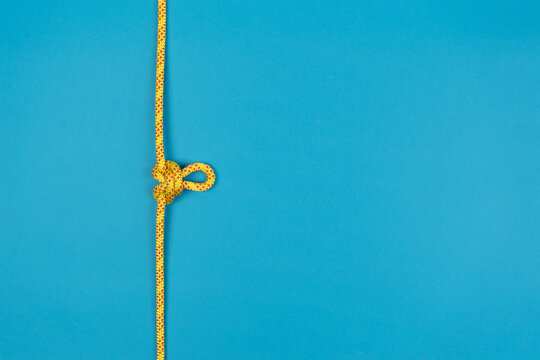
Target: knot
x=171 y=177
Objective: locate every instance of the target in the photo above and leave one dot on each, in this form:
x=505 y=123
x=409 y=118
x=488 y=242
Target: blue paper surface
x=377 y=194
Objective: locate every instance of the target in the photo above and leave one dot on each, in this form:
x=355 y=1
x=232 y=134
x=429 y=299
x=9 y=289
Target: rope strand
x=170 y=176
x=160 y=79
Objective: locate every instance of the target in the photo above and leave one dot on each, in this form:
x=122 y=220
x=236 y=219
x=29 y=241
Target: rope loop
x=195 y=186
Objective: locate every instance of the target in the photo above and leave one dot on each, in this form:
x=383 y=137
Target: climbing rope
x=170 y=176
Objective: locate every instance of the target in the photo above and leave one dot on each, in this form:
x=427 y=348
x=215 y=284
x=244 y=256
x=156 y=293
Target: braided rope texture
x=170 y=176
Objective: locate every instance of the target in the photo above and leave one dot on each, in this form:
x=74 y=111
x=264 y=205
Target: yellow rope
x=170 y=176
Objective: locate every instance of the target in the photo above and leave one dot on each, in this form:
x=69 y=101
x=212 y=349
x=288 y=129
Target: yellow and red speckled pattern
x=170 y=176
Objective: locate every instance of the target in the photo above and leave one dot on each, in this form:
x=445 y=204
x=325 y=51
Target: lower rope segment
x=160 y=281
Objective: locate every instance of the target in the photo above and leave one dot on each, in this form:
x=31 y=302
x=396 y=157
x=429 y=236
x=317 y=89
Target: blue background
x=377 y=195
